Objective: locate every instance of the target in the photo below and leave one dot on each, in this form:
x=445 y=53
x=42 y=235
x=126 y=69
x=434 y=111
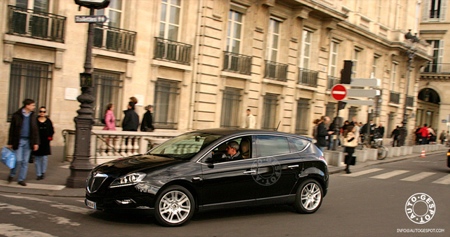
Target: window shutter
x=443 y=10
x=440 y=55
x=425 y=10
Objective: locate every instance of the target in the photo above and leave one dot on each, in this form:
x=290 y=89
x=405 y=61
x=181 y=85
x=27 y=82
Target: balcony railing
x=394 y=97
x=410 y=101
x=35 y=24
x=114 y=39
x=233 y=62
x=443 y=68
x=332 y=81
x=307 y=77
x=276 y=71
x=173 y=51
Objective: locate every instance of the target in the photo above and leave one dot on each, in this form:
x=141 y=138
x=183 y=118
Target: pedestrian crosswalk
x=382 y=174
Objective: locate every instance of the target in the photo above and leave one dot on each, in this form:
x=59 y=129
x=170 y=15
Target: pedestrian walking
x=349 y=141
x=147 y=121
x=23 y=138
x=424 y=133
x=442 y=136
x=395 y=136
x=130 y=122
x=323 y=133
x=46 y=132
x=250 y=121
x=110 y=119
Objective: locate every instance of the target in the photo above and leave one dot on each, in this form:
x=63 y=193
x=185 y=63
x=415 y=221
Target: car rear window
x=271 y=145
x=298 y=143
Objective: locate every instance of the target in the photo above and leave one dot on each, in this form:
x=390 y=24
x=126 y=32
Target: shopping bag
x=8 y=157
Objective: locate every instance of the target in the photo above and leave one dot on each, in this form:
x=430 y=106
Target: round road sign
x=339 y=92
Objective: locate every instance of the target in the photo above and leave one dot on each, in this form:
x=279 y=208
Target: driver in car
x=232 y=151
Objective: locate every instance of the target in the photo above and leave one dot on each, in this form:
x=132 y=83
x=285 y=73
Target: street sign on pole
x=372 y=82
x=91 y=19
x=359 y=102
x=338 y=92
x=362 y=93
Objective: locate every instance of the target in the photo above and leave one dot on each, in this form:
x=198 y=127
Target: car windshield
x=185 y=146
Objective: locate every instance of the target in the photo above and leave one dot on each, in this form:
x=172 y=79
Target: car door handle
x=250 y=172
x=196 y=178
x=293 y=166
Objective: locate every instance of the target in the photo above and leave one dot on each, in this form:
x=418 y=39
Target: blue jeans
x=41 y=164
x=23 y=156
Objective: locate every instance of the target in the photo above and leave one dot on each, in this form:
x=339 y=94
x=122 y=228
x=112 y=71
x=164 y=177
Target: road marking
x=362 y=172
x=390 y=174
x=70 y=208
x=418 y=176
x=12 y=230
x=4 y=183
x=443 y=180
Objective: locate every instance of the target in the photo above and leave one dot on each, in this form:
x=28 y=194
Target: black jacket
x=16 y=127
x=322 y=134
x=147 y=122
x=46 y=132
x=130 y=121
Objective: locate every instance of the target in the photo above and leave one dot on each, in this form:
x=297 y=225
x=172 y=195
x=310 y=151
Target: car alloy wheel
x=174 y=206
x=309 y=197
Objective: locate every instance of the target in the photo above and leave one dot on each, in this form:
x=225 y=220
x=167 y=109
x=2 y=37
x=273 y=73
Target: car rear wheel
x=309 y=197
x=174 y=206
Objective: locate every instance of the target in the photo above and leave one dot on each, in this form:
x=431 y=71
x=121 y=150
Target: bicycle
x=376 y=143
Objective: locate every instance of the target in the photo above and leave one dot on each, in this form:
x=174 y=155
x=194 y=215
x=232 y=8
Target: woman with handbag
x=46 y=132
x=349 y=141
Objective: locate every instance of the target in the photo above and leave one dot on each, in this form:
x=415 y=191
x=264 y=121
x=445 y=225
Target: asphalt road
x=369 y=202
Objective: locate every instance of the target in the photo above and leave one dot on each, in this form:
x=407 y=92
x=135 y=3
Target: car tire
x=308 y=197
x=174 y=206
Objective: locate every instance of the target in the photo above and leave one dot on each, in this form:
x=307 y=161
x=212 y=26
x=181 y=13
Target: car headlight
x=129 y=179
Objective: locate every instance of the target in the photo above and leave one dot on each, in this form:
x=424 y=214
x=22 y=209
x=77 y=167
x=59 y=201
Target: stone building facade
x=202 y=63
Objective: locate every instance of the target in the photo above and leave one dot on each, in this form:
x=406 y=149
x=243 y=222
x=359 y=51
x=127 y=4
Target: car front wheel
x=309 y=197
x=174 y=206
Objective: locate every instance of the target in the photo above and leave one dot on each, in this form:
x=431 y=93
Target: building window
x=166 y=104
x=273 y=40
x=270 y=111
x=435 y=9
x=306 y=50
x=36 y=5
x=356 y=54
x=302 y=122
x=374 y=67
x=169 y=24
x=332 y=70
x=434 y=66
x=234 y=34
x=28 y=80
x=113 y=12
x=108 y=89
x=394 y=76
x=230 y=108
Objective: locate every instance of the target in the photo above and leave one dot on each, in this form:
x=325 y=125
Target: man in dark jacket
x=147 y=121
x=322 y=133
x=23 y=137
x=131 y=120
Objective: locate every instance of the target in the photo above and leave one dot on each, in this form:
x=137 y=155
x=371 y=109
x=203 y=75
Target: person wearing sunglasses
x=46 y=132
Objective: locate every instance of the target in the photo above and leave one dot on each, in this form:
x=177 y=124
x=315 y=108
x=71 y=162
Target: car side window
x=298 y=144
x=271 y=145
x=222 y=152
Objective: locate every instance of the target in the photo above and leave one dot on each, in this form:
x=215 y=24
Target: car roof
x=246 y=131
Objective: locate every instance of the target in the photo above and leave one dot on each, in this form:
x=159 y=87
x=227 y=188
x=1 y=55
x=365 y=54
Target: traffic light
x=346 y=73
x=341 y=105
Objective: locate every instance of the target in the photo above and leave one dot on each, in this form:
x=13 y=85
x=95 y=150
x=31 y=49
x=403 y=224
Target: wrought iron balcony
x=233 y=62
x=114 y=39
x=332 y=81
x=36 y=24
x=275 y=71
x=410 y=101
x=394 y=97
x=307 y=77
x=173 y=51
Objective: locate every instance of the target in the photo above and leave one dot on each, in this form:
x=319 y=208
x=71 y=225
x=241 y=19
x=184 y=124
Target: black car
x=199 y=171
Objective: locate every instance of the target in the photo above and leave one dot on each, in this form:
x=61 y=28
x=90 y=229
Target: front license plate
x=90 y=204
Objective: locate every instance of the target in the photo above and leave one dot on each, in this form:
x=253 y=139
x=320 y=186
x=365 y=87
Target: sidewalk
x=58 y=171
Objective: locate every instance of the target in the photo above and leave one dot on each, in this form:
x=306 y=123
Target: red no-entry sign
x=339 y=92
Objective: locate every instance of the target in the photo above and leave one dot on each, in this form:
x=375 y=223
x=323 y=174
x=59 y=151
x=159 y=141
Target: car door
x=227 y=182
x=278 y=166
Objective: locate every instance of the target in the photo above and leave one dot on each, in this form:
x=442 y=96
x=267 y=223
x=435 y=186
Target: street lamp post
x=411 y=53
x=81 y=166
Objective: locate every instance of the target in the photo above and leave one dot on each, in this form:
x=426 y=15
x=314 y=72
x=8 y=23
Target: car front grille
x=95 y=181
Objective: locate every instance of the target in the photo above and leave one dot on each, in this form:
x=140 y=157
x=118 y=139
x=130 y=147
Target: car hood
x=135 y=163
